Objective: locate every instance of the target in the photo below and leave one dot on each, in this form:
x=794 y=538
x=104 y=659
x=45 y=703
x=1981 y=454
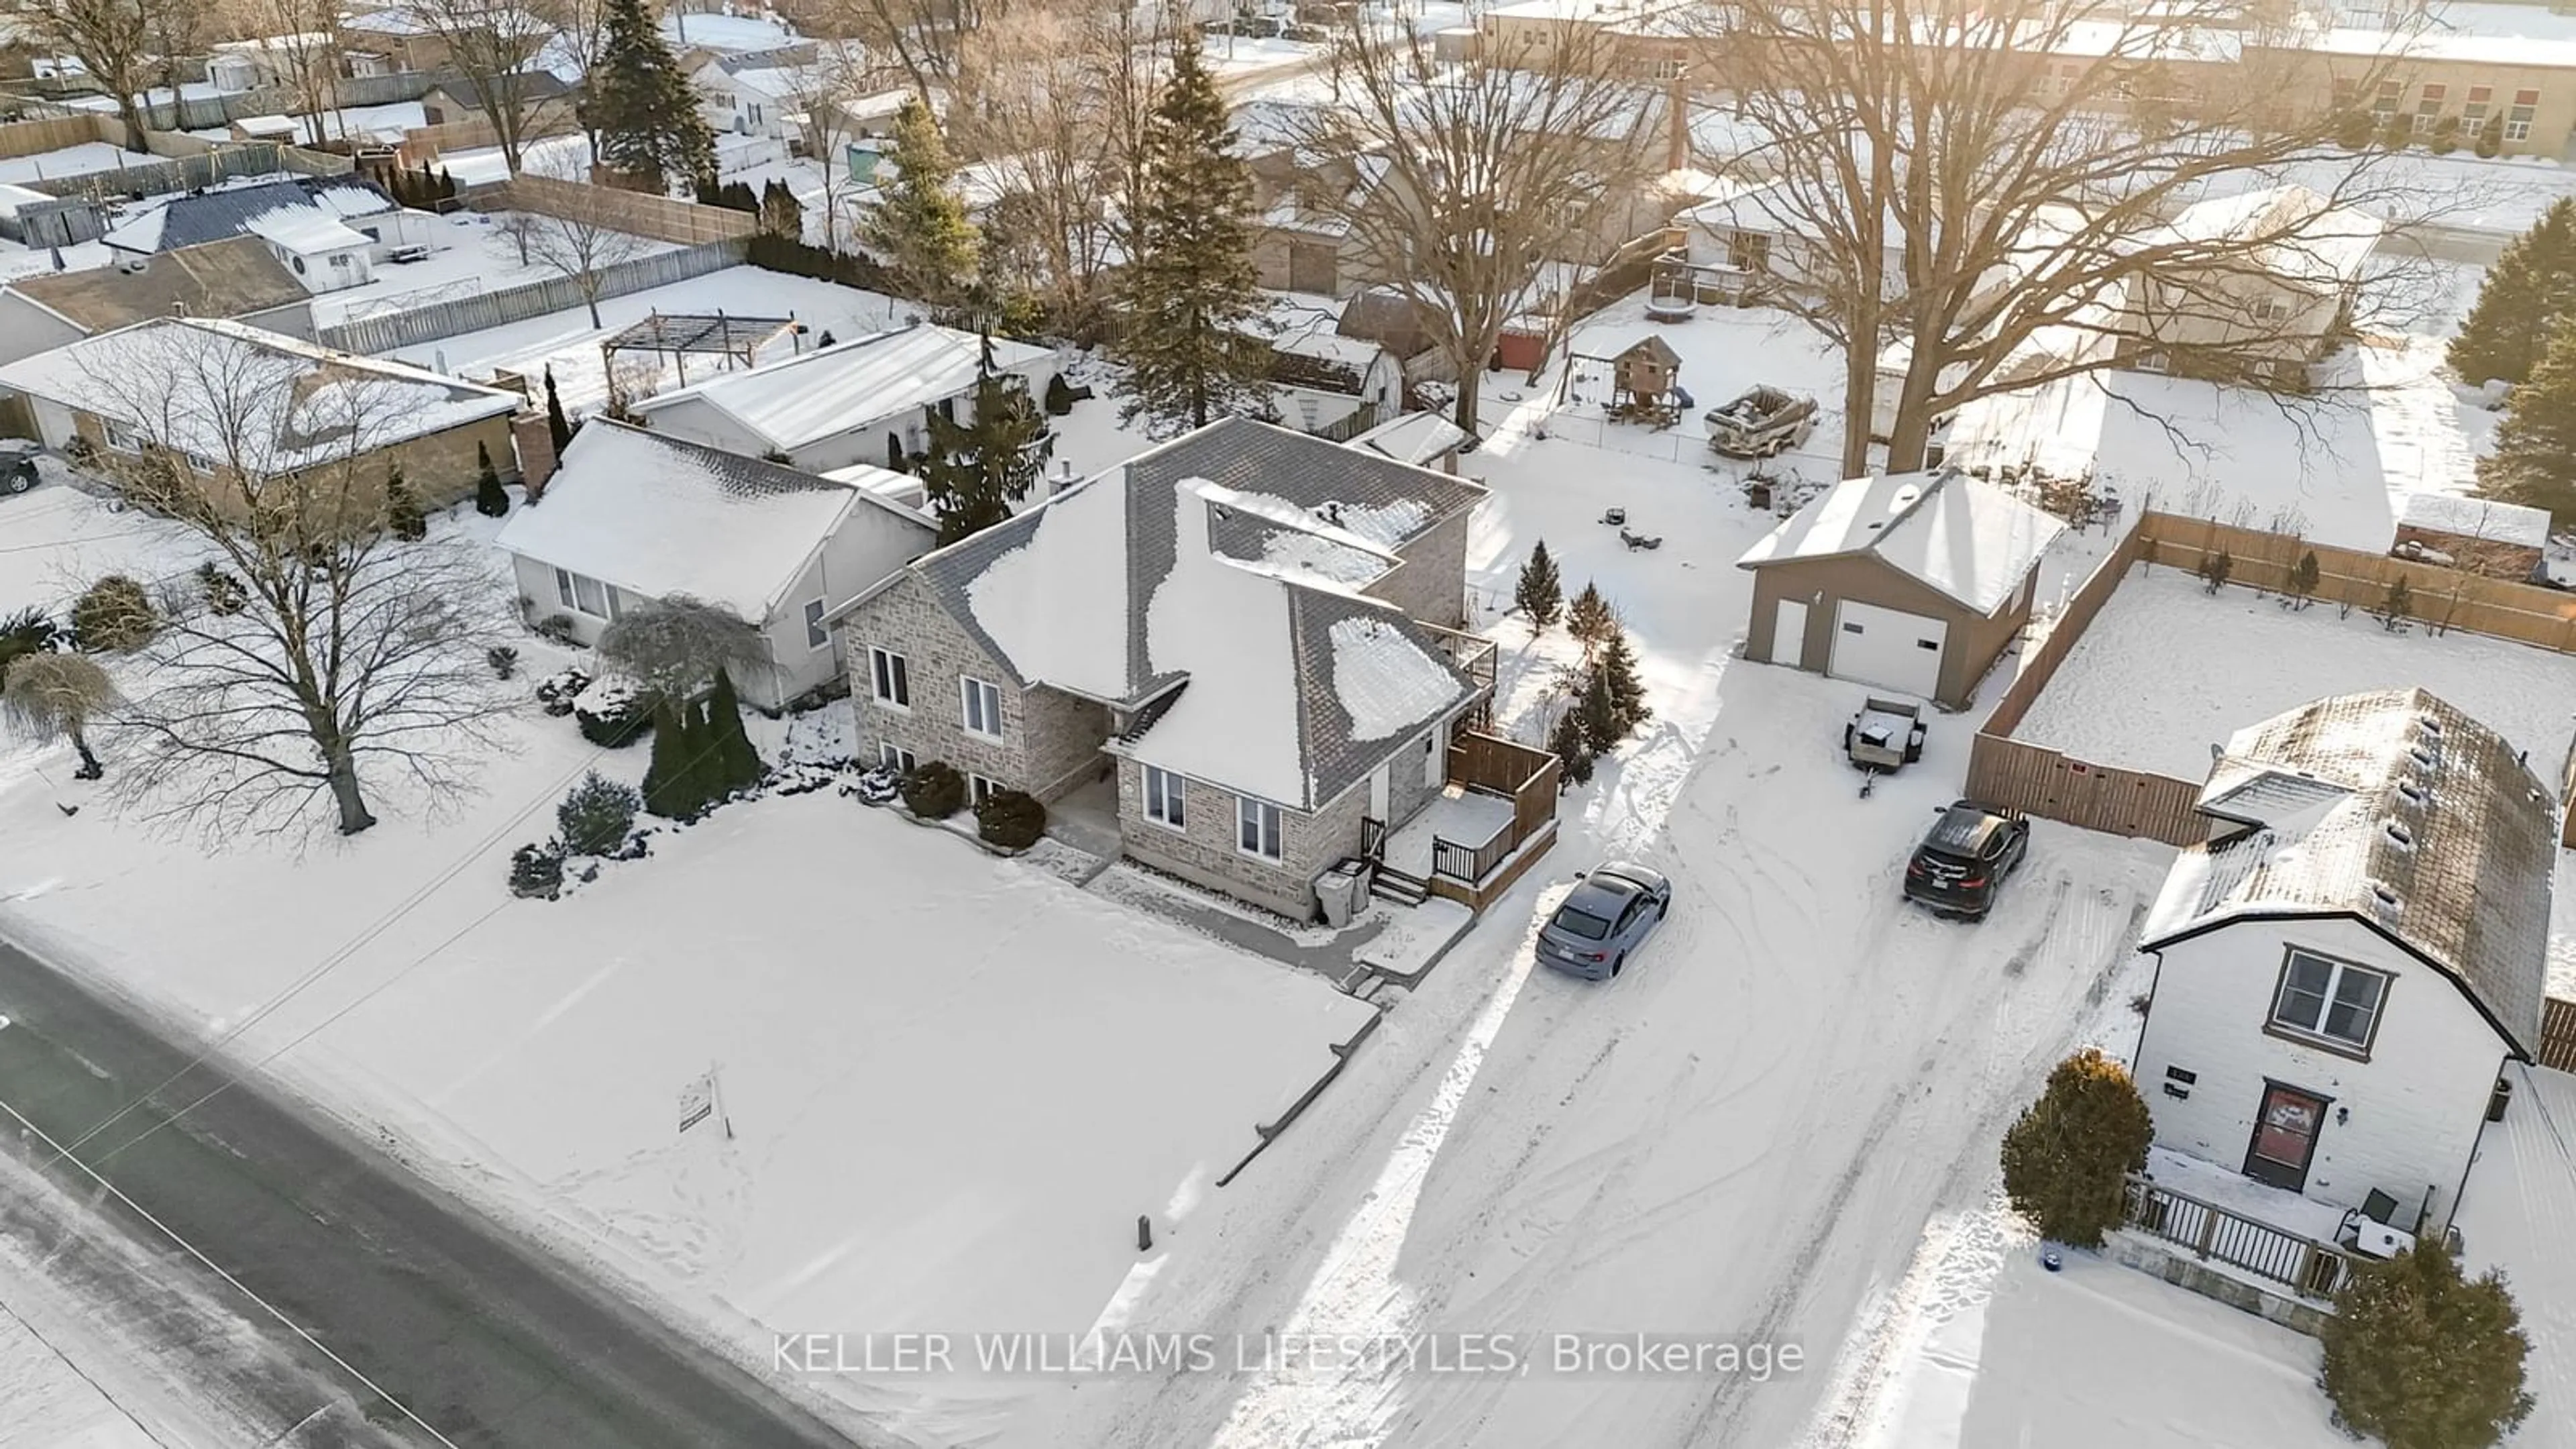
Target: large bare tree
x=331 y=661
x=301 y=41
x=1989 y=190
x=114 y=40
x=1487 y=170
x=570 y=227
x=493 y=48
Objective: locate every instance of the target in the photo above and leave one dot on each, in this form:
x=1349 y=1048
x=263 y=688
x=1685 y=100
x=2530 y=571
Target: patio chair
x=2378 y=1207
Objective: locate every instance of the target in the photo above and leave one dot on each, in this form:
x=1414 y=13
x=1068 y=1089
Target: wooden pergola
x=682 y=335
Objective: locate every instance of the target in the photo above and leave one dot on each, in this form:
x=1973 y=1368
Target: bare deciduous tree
x=58 y=696
x=824 y=92
x=346 y=661
x=675 y=645
x=1992 y=188
x=114 y=40
x=300 y=43
x=492 y=49
x=1488 y=170
x=577 y=234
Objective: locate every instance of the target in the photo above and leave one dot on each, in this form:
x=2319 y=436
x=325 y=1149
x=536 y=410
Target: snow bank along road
x=1739 y=1140
x=478 y=1335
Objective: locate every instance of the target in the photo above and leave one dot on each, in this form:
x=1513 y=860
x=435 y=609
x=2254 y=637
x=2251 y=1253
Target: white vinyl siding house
x=2404 y=1084
x=632 y=517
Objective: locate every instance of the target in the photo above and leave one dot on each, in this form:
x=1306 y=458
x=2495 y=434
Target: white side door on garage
x=1888 y=648
x=1789 y=633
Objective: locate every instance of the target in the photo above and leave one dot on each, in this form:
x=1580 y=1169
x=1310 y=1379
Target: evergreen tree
x=1616 y=666
x=675 y=782
x=1191 y=289
x=2396 y=130
x=597 y=816
x=1540 y=594
x=734 y=762
x=2529 y=289
x=2303 y=578
x=2534 y=461
x=489 y=499
x=2491 y=137
x=643 y=109
x=1573 y=750
x=919 y=227
x=558 y=427
x=403 y=518
x=974 y=471
x=2398 y=606
x=1589 y=618
x=2354 y=131
x=781 y=214
x=2066 y=1160
x=2423 y=1358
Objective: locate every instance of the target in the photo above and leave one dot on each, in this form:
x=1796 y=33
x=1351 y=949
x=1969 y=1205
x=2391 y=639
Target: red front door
x=2285 y=1137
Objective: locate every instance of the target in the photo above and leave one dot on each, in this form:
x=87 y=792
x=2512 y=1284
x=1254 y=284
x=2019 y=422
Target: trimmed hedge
x=934 y=790
x=1012 y=819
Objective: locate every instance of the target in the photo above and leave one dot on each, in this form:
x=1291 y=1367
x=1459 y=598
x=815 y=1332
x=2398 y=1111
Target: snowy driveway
x=1740 y=1139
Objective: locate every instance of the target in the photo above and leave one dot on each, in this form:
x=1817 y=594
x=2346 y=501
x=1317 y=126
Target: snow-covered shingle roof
x=2396 y=810
x=2472 y=517
x=655 y=515
x=218 y=213
x=832 y=390
x=1970 y=541
x=304 y=230
x=1220 y=563
x=284 y=403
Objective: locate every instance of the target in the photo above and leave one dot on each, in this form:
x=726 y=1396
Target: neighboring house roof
x=266 y=125
x=2396 y=810
x=237 y=277
x=832 y=390
x=1227 y=561
x=305 y=230
x=293 y=401
x=2473 y=517
x=185 y=221
x=2289 y=232
x=526 y=86
x=1969 y=541
x=657 y=516
x=1415 y=438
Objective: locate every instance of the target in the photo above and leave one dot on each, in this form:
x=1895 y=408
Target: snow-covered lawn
x=2519 y=1214
x=472 y=256
x=567 y=342
x=1724 y=350
x=57 y=541
x=730 y=34
x=2166 y=671
x=87 y=158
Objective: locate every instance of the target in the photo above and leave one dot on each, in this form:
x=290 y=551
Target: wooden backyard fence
x=658 y=217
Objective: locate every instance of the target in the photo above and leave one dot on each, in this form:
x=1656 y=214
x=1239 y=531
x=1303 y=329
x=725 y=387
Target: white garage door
x=1887 y=648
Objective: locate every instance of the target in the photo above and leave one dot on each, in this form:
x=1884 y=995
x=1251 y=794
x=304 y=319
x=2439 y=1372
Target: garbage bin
x=1340 y=889
x=2502 y=1098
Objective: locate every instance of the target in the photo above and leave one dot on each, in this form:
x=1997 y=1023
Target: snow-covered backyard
x=566 y=342
x=85 y=159
x=2167 y=670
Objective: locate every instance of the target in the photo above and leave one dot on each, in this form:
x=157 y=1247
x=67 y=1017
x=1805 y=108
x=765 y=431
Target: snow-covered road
x=1740 y=1139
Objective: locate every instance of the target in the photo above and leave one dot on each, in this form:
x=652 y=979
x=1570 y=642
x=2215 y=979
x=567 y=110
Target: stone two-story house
x=2346 y=966
x=1247 y=629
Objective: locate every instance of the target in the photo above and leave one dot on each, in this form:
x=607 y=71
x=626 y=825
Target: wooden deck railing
x=1492 y=765
x=2302 y=1265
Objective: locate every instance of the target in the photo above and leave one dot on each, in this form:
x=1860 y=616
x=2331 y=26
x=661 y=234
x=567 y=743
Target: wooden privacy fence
x=455 y=316
x=658 y=217
x=56 y=133
x=2443 y=598
x=2039 y=661
x=2558 y=1035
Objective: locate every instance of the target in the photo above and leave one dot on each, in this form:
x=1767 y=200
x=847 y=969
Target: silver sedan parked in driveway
x=1604 y=920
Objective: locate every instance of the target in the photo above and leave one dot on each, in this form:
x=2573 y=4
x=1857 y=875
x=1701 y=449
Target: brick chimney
x=536 y=444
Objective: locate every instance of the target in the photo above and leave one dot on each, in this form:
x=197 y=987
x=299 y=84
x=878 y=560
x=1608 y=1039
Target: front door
x=1789 y=634
x=1379 y=780
x=2285 y=1137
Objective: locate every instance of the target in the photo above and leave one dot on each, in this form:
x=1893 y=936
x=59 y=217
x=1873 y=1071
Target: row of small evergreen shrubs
x=2415 y=1353
x=1011 y=819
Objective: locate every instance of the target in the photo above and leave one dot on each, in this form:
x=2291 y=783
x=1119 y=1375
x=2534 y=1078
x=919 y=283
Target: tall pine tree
x=1191 y=288
x=919 y=227
x=974 y=471
x=644 y=111
x=2534 y=461
x=1540 y=595
x=2528 y=291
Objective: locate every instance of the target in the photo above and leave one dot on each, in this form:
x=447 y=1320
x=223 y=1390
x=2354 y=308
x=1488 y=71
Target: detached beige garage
x=1913 y=583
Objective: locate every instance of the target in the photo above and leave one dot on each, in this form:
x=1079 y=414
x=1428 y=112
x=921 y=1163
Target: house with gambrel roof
x=2345 y=967
x=1241 y=641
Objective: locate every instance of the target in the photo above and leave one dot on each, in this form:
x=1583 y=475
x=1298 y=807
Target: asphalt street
x=481 y=1334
